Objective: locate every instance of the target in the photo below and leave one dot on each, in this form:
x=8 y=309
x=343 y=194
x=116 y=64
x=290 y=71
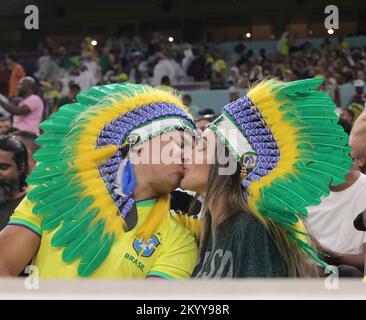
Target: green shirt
x=243 y=248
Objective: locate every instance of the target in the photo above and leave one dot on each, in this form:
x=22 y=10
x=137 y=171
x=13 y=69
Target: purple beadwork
x=252 y=124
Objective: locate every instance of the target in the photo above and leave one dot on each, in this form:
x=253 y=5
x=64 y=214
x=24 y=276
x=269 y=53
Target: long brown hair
x=298 y=263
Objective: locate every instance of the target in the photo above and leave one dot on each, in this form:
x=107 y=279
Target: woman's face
x=197 y=165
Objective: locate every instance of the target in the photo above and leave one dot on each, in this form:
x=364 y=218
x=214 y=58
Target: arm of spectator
x=18 y=246
x=23 y=110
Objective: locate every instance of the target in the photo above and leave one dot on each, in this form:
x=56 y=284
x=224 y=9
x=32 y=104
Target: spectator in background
x=165 y=84
x=195 y=64
x=51 y=92
x=331 y=88
x=218 y=68
x=48 y=69
x=13 y=172
x=93 y=66
x=4 y=78
x=331 y=224
x=28 y=115
x=17 y=72
x=283 y=44
x=234 y=78
x=234 y=93
x=29 y=141
x=162 y=68
x=136 y=73
x=205 y=117
x=348 y=115
x=74 y=90
x=5 y=125
x=342 y=43
x=357 y=109
x=206 y=111
x=187 y=100
x=86 y=78
x=359 y=96
x=72 y=75
x=106 y=60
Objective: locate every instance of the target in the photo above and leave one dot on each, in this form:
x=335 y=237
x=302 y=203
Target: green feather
x=94 y=256
x=70 y=230
x=51 y=221
x=78 y=211
x=77 y=247
x=61 y=205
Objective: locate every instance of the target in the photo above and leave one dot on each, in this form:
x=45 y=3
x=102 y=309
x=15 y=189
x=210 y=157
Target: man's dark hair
x=206 y=111
x=347 y=127
x=20 y=156
x=12 y=56
x=165 y=81
x=350 y=112
x=3 y=118
x=188 y=97
x=73 y=86
x=28 y=139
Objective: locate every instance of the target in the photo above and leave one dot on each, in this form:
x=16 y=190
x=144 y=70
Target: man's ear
x=360 y=163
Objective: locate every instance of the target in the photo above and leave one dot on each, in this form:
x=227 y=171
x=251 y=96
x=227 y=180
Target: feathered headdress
x=80 y=164
x=291 y=150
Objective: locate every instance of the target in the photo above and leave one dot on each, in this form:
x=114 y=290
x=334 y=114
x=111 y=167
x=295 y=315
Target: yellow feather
x=156 y=216
x=193 y=224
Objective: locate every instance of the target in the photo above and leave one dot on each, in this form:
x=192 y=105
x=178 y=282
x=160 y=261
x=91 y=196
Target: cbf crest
x=146 y=249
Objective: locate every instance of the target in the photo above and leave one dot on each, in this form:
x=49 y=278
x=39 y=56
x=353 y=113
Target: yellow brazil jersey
x=170 y=253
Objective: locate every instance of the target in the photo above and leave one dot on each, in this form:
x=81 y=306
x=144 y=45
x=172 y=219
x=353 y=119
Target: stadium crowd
x=27 y=99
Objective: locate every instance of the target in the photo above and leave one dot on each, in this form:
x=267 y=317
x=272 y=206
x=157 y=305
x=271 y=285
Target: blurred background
x=211 y=51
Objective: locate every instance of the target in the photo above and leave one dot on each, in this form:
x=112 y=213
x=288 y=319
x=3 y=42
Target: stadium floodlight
x=330 y=31
x=94 y=43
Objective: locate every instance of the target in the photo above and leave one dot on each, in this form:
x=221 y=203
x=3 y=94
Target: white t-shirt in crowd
x=163 y=68
x=331 y=222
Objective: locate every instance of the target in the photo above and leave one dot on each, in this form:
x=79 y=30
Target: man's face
x=9 y=176
x=359 y=90
x=74 y=92
x=23 y=87
x=346 y=116
x=160 y=160
x=4 y=126
x=234 y=96
x=187 y=102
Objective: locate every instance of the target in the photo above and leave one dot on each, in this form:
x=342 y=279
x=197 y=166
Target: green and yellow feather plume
x=70 y=194
x=304 y=151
